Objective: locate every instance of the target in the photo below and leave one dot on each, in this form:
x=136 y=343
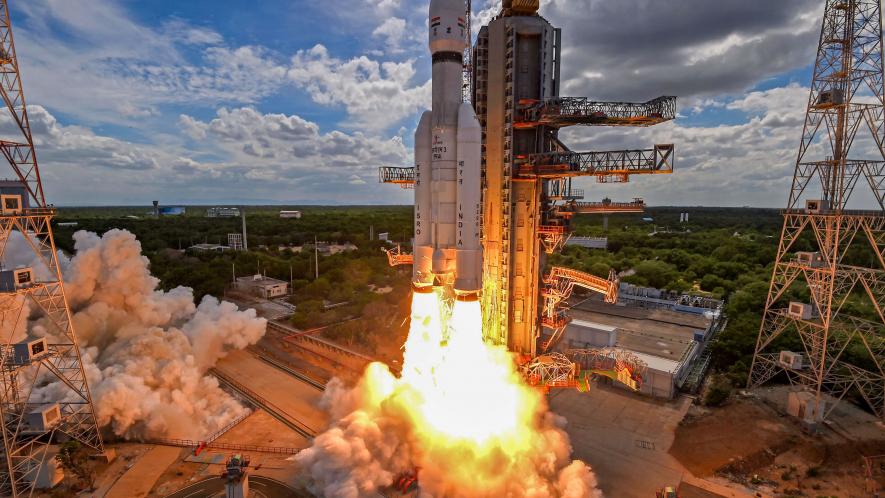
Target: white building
x=262 y=286
x=290 y=214
x=588 y=242
x=222 y=212
x=668 y=342
x=208 y=248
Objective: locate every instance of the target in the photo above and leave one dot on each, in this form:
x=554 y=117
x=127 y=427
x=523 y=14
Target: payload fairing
x=448 y=203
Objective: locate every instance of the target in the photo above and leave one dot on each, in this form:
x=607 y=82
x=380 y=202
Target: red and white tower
x=30 y=425
x=824 y=322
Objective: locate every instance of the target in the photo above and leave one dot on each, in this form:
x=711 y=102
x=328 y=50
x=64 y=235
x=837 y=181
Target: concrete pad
x=296 y=398
x=261 y=429
x=140 y=478
x=604 y=426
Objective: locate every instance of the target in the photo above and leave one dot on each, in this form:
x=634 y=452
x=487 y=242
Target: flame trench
x=460 y=415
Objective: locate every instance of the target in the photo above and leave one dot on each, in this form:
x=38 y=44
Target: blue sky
x=286 y=101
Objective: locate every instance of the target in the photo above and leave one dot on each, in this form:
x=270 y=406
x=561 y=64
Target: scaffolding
x=618 y=163
x=840 y=353
x=569 y=111
x=607 y=206
x=404 y=177
x=559 y=284
x=29 y=424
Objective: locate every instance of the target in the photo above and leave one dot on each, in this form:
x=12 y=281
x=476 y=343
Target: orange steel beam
x=404 y=177
x=396 y=258
x=619 y=163
x=604 y=207
x=568 y=111
x=572 y=278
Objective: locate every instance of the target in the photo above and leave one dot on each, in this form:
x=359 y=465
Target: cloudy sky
x=289 y=101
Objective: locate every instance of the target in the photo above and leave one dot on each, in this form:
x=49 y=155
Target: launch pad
x=528 y=200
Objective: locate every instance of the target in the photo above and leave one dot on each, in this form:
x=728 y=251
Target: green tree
x=655 y=273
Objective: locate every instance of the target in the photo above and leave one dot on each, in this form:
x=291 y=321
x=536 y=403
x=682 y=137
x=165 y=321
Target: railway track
x=264 y=356
x=266 y=405
x=326 y=350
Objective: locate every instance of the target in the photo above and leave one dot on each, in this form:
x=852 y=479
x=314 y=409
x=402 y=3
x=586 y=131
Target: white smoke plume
x=146 y=351
x=379 y=432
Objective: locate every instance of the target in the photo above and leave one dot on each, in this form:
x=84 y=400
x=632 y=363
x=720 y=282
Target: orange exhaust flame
x=460 y=411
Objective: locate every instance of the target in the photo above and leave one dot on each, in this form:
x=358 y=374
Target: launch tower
x=527 y=195
x=528 y=199
x=30 y=423
x=826 y=300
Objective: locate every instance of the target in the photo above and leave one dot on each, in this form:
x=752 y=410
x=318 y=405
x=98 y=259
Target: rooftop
x=664 y=334
x=260 y=280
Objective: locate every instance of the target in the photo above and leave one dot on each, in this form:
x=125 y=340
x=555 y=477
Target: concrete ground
x=259 y=487
x=296 y=398
x=261 y=429
x=624 y=437
x=144 y=473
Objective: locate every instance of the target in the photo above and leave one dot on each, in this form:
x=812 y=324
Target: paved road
x=258 y=485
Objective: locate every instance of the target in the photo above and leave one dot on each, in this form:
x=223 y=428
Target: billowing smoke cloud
x=146 y=351
x=382 y=432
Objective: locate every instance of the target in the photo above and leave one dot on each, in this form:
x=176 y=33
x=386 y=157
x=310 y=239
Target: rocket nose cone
x=448 y=26
x=437 y=7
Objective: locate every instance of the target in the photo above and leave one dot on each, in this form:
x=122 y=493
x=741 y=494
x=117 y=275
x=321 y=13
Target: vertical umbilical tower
x=32 y=421
x=827 y=292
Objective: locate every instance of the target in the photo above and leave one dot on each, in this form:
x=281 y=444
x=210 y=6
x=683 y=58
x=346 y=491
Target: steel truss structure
x=841 y=353
x=604 y=207
x=559 y=284
x=560 y=370
x=568 y=111
x=550 y=370
x=619 y=164
x=608 y=359
x=404 y=177
x=528 y=199
x=26 y=445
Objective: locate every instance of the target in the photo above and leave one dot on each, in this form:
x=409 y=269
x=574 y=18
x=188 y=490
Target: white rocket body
x=447 y=166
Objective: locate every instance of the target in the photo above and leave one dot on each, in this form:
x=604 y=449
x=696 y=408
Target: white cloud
x=107 y=68
x=392 y=30
x=94 y=64
x=747 y=163
x=375 y=94
x=192 y=35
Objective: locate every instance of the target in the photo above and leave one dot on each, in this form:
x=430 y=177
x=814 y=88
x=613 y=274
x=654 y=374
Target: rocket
x=447 y=168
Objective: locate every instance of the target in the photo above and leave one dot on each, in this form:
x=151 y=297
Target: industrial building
x=529 y=199
x=172 y=210
x=262 y=286
x=208 y=248
x=647 y=297
x=222 y=212
x=588 y=242
x=290 y=214
x=668 y=342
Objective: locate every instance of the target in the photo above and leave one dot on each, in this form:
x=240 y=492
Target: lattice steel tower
x=31 y=422
x=830 y=257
